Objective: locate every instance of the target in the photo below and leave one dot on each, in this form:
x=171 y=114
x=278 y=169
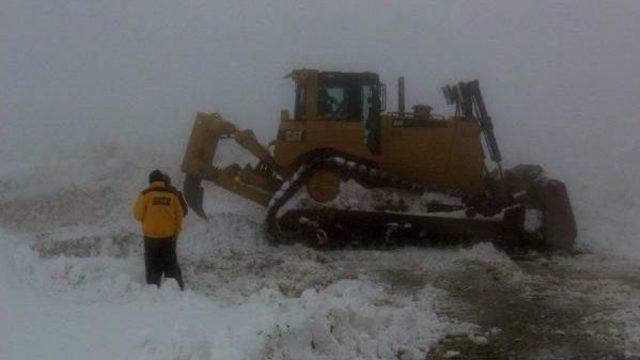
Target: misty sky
x=136 y=69
x=561 y=78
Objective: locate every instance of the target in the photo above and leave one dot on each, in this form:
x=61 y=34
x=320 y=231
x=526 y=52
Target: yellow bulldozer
x=343 y=170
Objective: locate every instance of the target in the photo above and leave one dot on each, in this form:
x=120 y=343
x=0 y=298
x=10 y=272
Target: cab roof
x=301 y=74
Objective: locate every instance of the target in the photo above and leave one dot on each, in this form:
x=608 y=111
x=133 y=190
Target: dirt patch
x=116 y=245
x=291 y=271
x=540 y=316
x=65 y=208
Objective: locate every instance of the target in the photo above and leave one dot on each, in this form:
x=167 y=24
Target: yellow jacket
x=159 y=210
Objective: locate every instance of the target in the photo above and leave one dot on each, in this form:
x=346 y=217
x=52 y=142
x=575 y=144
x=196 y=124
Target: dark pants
x=160 y=258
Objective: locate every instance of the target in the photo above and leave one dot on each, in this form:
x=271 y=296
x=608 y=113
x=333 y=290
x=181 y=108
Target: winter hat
x=156 y=175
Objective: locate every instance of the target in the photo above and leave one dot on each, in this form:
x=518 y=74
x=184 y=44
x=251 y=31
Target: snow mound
x=352 y=319
x=98 y=307
x=486 y=252
x=221 y=234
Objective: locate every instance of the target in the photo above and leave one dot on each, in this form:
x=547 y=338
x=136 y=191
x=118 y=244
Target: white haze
x=561 y=78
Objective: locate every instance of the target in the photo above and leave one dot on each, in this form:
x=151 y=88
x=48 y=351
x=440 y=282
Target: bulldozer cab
x=336 y=96
x=356 y=98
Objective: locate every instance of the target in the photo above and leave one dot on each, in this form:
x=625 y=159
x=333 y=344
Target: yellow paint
x=447 y=155
x=323 y=185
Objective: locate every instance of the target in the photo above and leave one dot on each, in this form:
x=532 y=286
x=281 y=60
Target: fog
x=561 y=78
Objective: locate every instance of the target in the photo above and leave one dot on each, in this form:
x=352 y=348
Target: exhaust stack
x=401 y=95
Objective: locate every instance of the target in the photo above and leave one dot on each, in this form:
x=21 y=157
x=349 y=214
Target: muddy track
x=68 y=207
x=537 y=318
x=527 y=309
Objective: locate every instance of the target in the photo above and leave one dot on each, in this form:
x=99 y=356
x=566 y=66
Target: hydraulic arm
x=254 y=183
x=469 y=102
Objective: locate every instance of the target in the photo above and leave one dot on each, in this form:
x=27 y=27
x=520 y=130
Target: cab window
x=300 y=108
x=366 y=96
x=332 y=102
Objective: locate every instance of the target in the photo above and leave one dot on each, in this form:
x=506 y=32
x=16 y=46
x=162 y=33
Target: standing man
x=160 y=211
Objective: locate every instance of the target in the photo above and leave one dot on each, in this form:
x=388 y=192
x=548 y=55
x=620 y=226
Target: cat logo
x=161 y=200
x=290 y=135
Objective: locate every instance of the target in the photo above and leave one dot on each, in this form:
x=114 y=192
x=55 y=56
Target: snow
x=354 y=196
x=478 y=339
x=350 y=320
x=97 y=307
x=532 y=220
x=72 y=278
x=451 y=354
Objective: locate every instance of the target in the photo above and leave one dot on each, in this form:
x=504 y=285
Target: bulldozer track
x=370 y=176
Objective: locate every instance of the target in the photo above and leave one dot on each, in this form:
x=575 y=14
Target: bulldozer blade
x=193 y=194
x=560 y=229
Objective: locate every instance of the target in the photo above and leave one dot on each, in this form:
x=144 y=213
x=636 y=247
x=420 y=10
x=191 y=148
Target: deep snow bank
x=74 y=308
x=94 y=305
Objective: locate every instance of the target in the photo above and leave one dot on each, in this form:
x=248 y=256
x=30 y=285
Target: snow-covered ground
x=72 y=282
x=71 y=285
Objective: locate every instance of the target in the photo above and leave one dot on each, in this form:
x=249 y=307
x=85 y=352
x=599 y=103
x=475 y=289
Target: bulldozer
x=343 y=170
